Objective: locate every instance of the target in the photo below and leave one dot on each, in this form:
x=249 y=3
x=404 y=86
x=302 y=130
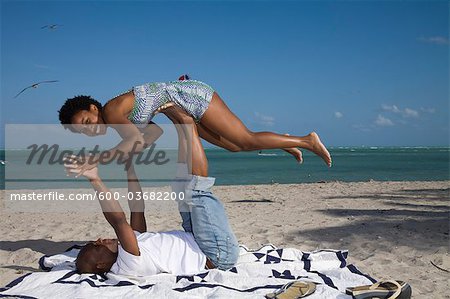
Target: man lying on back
x=207 y=242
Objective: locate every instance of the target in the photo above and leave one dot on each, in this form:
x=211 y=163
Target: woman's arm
x=132 y=139
x=133 y=142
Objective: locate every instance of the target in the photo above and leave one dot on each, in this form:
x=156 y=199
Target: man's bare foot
x=294 y=152
x=318 y=148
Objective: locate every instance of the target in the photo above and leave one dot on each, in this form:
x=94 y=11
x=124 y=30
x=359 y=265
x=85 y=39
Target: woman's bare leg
x=219 y=119
x=215 y=139
x=294 y=152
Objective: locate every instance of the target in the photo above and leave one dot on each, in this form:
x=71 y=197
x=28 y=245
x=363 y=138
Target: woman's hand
x=77 y=166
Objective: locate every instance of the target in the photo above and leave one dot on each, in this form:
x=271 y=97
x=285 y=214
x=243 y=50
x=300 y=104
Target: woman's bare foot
x=317 y=147
x=294 y=152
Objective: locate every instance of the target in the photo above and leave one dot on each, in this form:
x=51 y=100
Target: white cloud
x=407 y=112
x=383 y=121
x=338 y=114
x=427 y=110
x=410 y=113
x=41 y=66
x=438 y=40
x=362 y=128
x=392 y=108
x=265 y=120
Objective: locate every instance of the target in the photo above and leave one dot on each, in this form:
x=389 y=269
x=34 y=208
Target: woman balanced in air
x=214 y=120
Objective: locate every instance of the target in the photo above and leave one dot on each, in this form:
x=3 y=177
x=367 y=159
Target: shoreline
x=232 y=185
x=392 y=229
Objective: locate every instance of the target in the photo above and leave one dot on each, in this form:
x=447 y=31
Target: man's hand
x=164 y=107
x=75 y=168
x=177 y=115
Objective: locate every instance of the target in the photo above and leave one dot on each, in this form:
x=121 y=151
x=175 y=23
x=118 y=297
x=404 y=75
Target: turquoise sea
x=350 y=164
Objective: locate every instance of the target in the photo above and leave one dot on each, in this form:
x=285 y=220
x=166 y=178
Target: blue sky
x=358 y=73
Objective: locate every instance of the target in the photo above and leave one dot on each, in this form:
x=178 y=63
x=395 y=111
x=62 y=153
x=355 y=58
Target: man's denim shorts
x=204 y=215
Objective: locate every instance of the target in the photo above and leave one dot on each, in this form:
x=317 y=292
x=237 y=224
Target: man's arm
x=189 y=141
x=116 y=217
x=137 y=206
x=151 y=133
x=111 y=208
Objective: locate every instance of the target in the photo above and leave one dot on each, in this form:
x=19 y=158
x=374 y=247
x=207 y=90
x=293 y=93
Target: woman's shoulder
x=122 y=103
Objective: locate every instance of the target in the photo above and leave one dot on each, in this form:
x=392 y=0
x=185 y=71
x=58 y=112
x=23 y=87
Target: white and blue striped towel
x=257 y=273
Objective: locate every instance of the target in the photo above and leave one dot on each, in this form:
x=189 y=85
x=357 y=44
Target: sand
x=391 y=229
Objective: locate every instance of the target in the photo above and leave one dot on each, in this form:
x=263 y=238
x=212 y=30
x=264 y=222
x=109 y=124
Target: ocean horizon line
x=329 y=147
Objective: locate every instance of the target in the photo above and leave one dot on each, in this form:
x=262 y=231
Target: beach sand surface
x=394 y=230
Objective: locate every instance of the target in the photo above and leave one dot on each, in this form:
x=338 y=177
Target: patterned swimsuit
x=191 y=95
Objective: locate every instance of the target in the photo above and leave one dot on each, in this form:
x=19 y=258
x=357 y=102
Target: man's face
x=89 y=122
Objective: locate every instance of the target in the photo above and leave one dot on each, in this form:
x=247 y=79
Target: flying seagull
x=35 y=85
x=53 y=26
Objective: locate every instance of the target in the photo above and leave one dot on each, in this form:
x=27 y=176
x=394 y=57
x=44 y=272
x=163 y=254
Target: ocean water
x=350 y=164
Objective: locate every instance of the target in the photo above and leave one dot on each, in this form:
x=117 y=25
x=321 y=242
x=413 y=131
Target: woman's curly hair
x=72 y=106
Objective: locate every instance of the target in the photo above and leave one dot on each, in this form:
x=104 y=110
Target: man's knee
x=231 y=258
x=234 y=254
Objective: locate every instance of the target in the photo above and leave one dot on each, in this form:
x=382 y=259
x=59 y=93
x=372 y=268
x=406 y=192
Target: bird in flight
x=35 y=85
x=52 y=26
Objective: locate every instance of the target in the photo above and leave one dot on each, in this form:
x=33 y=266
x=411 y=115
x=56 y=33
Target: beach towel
x=257 y=273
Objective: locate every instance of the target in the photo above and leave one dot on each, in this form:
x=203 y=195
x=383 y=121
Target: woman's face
x=89 y=122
